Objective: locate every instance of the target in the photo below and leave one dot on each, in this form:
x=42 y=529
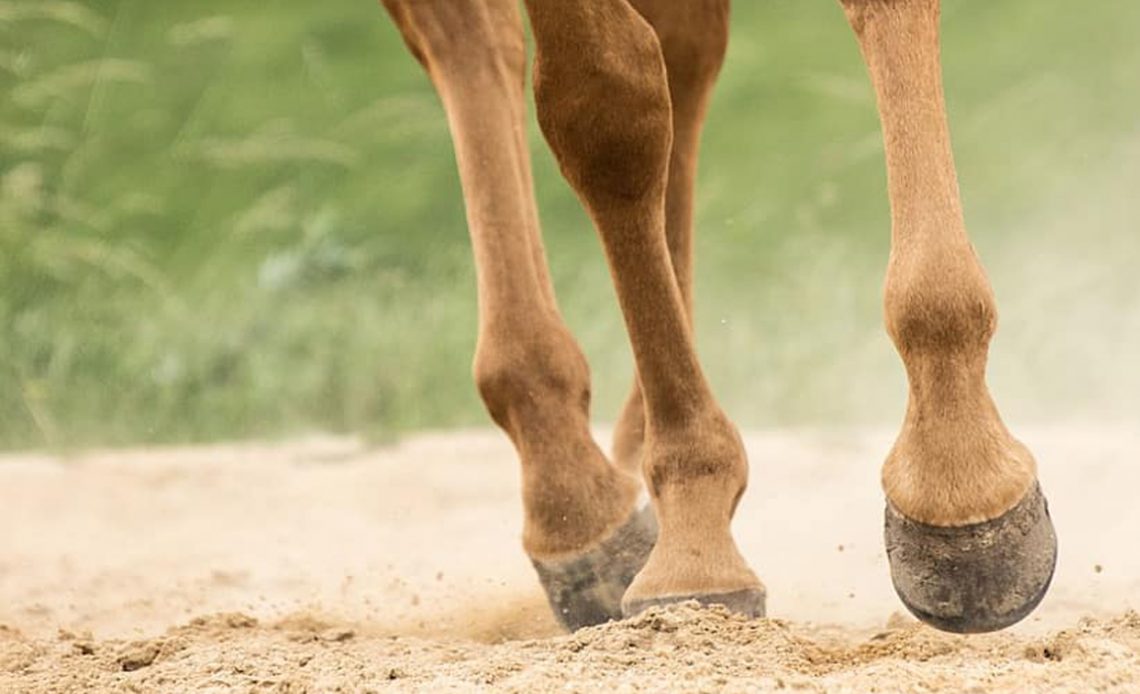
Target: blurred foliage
x=224 y=220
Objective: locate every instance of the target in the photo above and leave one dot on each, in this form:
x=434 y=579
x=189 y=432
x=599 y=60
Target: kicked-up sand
x=322 y=565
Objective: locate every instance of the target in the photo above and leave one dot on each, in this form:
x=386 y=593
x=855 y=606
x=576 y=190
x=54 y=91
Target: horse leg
x=580 y=529
x=968 y=533
x=603 y=104
x=693 y=35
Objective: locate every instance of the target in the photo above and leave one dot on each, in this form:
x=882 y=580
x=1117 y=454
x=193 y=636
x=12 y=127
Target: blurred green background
x=242 y=219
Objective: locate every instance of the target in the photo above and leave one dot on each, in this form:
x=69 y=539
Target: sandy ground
x=322 y=565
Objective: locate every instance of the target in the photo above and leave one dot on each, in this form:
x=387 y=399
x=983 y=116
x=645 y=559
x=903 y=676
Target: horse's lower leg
x=529 y=370
x=968 y=533
x=603 y=104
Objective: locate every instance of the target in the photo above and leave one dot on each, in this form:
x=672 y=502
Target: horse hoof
x=974 y=578
x=587 y=589
x=750 y=602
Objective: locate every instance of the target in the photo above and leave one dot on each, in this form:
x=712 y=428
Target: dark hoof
x=587 y=589
x=749 y=602
x=974 y=578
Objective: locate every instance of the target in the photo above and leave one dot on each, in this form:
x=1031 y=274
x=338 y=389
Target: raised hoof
x=974 y=578
x=587 y=589
x=750 y=602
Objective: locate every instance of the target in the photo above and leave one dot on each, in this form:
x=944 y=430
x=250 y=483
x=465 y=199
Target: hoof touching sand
x=747 y=603
x=587 y=590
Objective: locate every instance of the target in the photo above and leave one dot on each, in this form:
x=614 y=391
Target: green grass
x=227 y=220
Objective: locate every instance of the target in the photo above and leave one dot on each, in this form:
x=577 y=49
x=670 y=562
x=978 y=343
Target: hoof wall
x=974 y=578
x=750 y=602
x=587 y=589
